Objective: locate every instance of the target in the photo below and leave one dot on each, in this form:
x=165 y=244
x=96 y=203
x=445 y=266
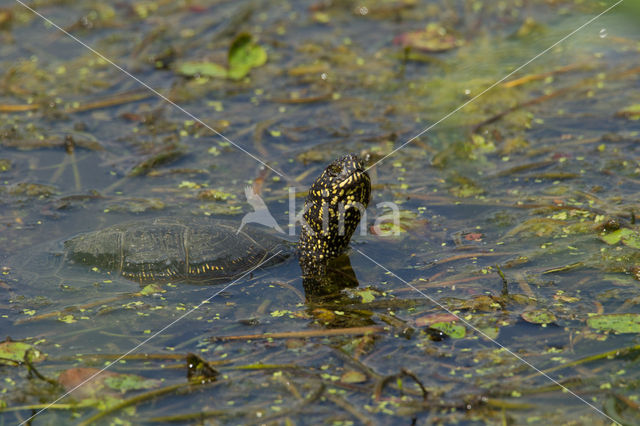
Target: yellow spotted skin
x=211 y=251
x=333 y=209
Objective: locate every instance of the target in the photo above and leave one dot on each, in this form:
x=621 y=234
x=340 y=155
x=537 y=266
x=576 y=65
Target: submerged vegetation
x=516 y=189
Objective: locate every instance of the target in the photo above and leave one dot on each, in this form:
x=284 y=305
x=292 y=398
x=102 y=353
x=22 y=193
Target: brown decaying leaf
x=81 y=377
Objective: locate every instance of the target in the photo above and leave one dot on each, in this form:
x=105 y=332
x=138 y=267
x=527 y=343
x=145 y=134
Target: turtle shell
x=176 y=249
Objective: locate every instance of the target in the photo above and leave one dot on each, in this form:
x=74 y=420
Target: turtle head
x=333 y=209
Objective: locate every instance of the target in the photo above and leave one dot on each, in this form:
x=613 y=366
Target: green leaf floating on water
x=150 y=289
x=491 y=332
x=451 y=329
x=16 y=352
x=126 y=382
x=632 y=240
x=368 y=295
x=204 y=69
x=619 y=323
x=245 y=54
x=627 y=236
x=353 y=377
x=539 y=316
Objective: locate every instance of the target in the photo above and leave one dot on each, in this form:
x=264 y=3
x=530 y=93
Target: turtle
x=214 y=251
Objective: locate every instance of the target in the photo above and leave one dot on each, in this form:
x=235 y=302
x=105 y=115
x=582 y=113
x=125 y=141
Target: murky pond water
x=503 y=136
